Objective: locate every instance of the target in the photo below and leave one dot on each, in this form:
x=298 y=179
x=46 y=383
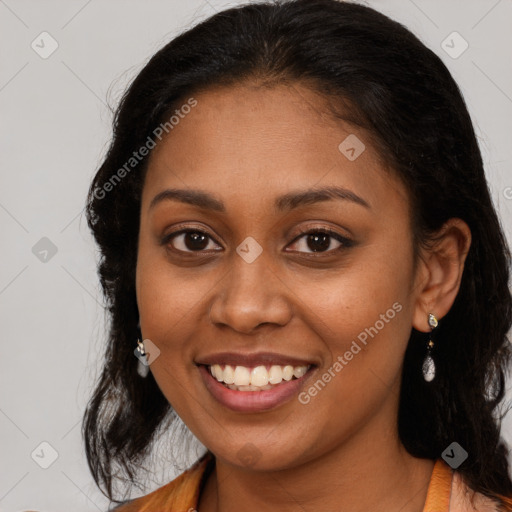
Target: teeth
x=299 y=371
x=218 y=374
x=275 y=375
x=228 y=375
x=288 y=372
x=259 y=378
x=242 y=375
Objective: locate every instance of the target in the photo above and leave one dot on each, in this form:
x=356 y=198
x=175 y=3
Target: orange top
x=446 y=492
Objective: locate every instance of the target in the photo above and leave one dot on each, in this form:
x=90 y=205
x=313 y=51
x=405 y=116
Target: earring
x=429 y=367
x=142 y=358
x=140 y=348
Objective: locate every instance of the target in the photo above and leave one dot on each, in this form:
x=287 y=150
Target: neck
x=370 y=471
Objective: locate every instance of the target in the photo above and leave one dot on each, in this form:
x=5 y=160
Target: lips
x=244 y=401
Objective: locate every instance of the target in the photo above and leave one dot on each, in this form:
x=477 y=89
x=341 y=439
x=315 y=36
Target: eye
x=189 y=240
x=320 y=240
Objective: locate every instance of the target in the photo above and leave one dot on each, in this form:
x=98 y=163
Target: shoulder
x=464 y=499
x=448 y=492
x=180 y=494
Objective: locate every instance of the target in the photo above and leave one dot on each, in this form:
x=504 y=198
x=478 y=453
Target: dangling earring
x=142 y=359
x=429 y=367
x=140 y=348
x=142 y=364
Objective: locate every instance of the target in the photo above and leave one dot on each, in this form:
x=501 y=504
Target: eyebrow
x=283 y=203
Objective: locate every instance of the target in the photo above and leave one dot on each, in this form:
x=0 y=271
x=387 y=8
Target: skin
x=248 y=145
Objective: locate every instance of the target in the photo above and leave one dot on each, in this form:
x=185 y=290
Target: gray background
x=54 y=131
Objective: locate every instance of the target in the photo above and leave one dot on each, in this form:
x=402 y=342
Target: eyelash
x=345 y=242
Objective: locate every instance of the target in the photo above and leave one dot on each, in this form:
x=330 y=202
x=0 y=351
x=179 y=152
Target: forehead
x=258 y=142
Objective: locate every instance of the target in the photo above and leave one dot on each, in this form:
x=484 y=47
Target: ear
x=439 y=273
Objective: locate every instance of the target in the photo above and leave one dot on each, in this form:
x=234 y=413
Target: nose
x=250 y=295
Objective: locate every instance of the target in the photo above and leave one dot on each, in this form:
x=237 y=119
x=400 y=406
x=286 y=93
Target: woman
x=298 y=238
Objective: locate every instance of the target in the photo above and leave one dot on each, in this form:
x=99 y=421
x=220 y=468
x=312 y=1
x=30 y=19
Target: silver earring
x=429 y=367
x=142 y=358
x=140 y=348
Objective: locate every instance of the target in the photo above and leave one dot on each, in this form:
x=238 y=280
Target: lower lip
x=253 y=401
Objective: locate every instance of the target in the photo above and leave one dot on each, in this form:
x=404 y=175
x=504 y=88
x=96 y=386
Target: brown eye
x=320 y=240
x=189 y=241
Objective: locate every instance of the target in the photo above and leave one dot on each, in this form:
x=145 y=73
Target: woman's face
x=245 y=281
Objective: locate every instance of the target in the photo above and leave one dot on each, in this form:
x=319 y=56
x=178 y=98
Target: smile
x=254 y=389
x=259 y=378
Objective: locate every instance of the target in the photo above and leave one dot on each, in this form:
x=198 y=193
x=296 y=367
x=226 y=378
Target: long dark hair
x=385 y=80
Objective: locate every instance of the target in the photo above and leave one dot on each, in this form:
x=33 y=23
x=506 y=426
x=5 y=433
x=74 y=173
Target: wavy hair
x=379 y=76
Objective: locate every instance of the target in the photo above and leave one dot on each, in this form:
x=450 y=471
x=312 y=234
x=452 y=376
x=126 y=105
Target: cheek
x=363 y=314
x=165 y=293
x=166 y=305
x=365 y=331
x=170 y=302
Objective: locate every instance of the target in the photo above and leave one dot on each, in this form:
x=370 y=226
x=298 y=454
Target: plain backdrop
x=55 y=128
